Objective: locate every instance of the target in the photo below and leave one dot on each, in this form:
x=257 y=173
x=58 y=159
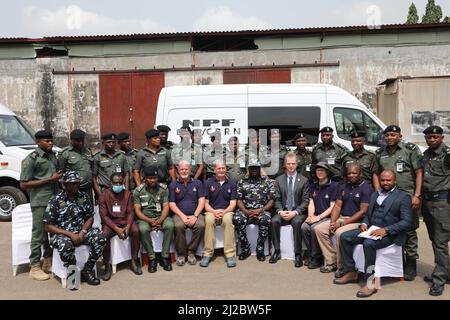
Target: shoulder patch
x=410 y=146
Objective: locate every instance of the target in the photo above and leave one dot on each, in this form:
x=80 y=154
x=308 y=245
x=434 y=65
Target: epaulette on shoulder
x=410 y=146
x=163 y=186
x=316 y=145
x=342 y=146
x=33 y=155
x=379 y=151
x=140 y=187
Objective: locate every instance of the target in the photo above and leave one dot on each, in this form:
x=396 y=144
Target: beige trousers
x=333 y=255
x=228 y=234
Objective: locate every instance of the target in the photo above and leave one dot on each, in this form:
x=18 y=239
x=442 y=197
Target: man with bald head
x=186 y=201
x=349 y=209
x=390 y=210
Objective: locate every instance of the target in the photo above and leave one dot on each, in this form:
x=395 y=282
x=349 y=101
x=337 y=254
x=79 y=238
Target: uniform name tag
x=116 y=208
x=118 y=169
x=144 y=204
x=193 y=162
x=399 y=167
x=158 y=207
x=308 y=167
x=331 y=161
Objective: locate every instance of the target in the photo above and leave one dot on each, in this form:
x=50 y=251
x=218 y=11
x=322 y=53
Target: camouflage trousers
x=240 y=221
x=94 y=238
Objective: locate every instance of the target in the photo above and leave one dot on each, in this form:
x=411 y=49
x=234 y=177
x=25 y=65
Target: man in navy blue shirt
x=391 y=211
x=322 y=198
x=186 y=201
x=349 y=209
x=220 y=203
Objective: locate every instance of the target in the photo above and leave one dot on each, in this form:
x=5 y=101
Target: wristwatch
x=84 y=231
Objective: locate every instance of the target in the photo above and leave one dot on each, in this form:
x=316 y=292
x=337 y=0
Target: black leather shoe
x=298 y=262
x=430 y=279
x=136 y=266
x=275 y=257
x=314 y=264
x=244 y=255
x=410 y=270
x=89 y=277
x=261 y=257
x=165 y=263
x=152 y=266
x=107 y=273
x=436 y=289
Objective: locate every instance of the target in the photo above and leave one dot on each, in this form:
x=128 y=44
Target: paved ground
x=251 y=279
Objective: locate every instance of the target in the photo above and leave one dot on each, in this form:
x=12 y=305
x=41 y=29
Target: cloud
x=223 y=19
x=73 y=20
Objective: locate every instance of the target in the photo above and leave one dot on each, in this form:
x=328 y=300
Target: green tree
x=446 y=19
x=412 y=14
x=433 y=13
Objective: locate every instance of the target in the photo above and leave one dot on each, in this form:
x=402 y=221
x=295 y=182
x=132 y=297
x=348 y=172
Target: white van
x=16 y=142
x=292 y=108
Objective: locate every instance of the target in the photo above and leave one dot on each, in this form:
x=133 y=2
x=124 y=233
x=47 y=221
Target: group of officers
x=168 y=187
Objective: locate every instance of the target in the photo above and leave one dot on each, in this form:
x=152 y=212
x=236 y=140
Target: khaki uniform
x=333 y=157
x=131 y=159
x=159 y=161
x=105 y=165
x=367 y=160
x=39 y=165
x=304 y=161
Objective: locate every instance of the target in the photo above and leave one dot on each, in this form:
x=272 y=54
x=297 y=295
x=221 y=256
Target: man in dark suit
x=389 y=209
x=292 y=198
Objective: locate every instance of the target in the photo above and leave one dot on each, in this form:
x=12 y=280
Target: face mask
x=118 y=189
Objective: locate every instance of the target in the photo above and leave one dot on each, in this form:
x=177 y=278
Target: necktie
x=290 y=195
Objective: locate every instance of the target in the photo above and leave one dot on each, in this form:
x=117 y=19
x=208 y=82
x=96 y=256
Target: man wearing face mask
x=116 y=211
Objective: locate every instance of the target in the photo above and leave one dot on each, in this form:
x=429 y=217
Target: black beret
x=299 y=136
x=152 y=133
x=433 y=130
x=43 y=134
x=123 y=136
x=77 y=134
x=326 y=129
x=357 y=134
x=163 y=128
x=392 y=128
x=109 y=136
x=149 y=172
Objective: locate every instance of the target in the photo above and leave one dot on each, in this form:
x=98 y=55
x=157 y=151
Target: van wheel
x=10 y=198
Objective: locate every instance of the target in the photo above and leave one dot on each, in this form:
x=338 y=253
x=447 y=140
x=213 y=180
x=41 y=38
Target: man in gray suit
x=389 y=209
x=292 y=198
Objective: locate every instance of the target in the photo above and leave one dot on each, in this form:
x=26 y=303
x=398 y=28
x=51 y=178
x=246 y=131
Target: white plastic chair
x=287 y=243
x=22 y=224
x=388 y=262
x=120 y=251
x=252 y=236
x=97 y=219
x=58 y=269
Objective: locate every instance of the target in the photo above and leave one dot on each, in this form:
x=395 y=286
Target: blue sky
x=23 y=18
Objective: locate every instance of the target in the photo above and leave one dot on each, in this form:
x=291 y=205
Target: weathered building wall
x=63 y=102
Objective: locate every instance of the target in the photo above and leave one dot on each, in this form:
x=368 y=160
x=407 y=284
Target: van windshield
x=14 y=132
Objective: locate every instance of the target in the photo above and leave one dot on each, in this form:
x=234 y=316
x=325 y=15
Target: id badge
x=399 y=166
x=308 y=167
x=193 y=162
x=331 y=161
x=118 y=169
x=242 y=164
x=158 y=207
x=116 y=208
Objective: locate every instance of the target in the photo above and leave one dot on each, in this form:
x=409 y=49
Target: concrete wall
x=61 y=102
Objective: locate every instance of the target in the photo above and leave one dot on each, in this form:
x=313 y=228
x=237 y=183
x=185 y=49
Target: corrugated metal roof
x=266 y=32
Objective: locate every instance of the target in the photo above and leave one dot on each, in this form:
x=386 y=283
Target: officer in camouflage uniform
x=151 y=204
x=213 y=152
x=304 y=156
x=154 y=157
x=68 y=218
x=366 y=159
x=77 y=157
x=235 y=160
x=164 y=135
x=39 y=175
x=405 y=159
x=329 y=152
x=256 y=197
x=108 y=161
x=436 y=205
x=130 y=154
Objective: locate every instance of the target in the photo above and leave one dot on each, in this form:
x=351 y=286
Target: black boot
x=165 y=263
x=410 y=270
x=107 y=273
x=136 y=266
x=152 y=266
x=88 y=275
